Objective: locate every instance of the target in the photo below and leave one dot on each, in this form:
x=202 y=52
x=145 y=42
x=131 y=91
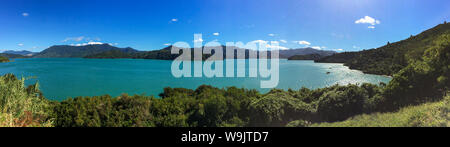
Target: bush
x=20 y=106
x=342 y=102
x=424 y=80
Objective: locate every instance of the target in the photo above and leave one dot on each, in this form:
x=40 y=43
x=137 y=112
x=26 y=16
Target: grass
x=435 y=114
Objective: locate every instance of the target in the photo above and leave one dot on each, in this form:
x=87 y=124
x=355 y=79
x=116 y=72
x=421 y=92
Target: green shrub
x=21 y=106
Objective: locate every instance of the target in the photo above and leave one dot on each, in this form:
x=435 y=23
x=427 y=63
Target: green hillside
x=391 y=58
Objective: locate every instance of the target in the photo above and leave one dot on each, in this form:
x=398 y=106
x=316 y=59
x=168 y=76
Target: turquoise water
x=61 y=78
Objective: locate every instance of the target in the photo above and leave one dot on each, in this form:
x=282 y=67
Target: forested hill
x=165 y=53
x=68 y=51
x=392 y=57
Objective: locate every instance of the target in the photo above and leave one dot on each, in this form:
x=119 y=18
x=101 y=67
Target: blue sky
x=148 y=25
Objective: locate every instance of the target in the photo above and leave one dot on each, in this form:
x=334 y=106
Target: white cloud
x=113 y=44
x=174 y=20
x=339 y=49
x=368 y=20
x=167 y=44
x=283 y=41
x=77 y=39
x=371 y=27
x=271 y=35
x=93 y=43
x=356 y=47
x=25 y=14
x=302 y=42
x=78 y=44
x=89 y=43
x=316 y=47
x=20 y=44
x=216 y=34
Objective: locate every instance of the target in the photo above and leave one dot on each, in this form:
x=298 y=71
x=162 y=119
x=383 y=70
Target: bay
x=60 y=78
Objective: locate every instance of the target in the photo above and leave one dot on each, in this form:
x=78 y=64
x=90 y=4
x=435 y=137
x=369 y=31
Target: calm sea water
x=61 y=78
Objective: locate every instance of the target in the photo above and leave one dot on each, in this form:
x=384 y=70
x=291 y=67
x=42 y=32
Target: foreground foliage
x=22 y=106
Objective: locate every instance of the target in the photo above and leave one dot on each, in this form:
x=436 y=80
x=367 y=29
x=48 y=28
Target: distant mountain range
x=68 y=51
x=13 y=55
x=102 y=51
x=23 y=52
